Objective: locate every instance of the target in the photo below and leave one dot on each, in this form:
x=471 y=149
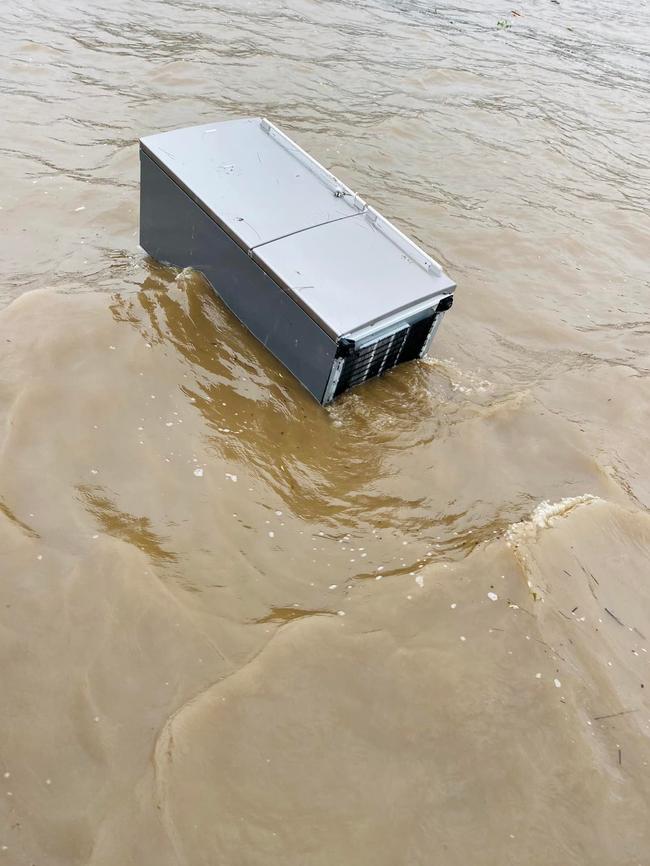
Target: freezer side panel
x=176 y=231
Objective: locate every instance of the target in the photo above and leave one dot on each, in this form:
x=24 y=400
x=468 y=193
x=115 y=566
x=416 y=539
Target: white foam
x=544 y=515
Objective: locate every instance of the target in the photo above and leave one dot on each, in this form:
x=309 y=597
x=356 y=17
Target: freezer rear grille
x=373 y=359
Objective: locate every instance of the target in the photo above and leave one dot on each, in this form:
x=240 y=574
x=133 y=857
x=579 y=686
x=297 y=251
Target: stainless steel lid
x=251 y=178
x=347 y=266
x=354 y=272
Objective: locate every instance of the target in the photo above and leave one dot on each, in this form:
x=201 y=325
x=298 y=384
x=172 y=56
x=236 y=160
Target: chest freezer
x=336 y=292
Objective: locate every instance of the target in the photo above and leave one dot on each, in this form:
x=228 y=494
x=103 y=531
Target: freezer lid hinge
x=346 y=348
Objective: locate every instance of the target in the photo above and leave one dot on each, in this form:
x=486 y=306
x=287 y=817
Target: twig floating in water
x=614 y=715
x=613 y=616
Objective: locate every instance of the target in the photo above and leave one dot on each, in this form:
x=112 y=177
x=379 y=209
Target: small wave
x=545 y=513
x=519 y=535
x=465 y=381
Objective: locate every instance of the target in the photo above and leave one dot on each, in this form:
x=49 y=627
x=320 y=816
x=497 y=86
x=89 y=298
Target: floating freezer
x=330 y=287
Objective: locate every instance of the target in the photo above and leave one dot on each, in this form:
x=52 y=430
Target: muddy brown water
x=413 y=628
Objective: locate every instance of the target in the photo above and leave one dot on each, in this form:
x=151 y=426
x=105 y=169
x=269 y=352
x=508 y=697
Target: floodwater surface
x=412 y=628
